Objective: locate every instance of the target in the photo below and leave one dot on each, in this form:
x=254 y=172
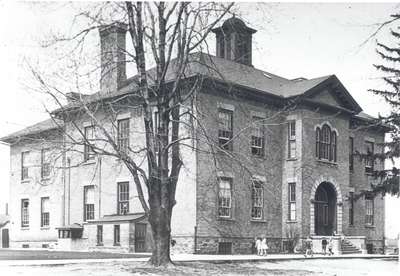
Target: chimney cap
x=116 y=27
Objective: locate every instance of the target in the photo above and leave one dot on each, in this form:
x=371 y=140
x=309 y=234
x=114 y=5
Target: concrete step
x=348 y=248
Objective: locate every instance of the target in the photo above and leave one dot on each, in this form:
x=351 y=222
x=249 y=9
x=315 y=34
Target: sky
x=293 y=40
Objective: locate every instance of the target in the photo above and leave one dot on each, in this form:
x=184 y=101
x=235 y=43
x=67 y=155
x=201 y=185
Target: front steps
x=348 y=248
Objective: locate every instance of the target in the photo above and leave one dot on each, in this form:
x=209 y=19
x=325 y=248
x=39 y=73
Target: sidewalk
x=195 y=258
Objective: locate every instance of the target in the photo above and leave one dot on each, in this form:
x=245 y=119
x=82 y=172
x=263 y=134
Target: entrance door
x=140 y=237
x=325 y=209
x=5 y=242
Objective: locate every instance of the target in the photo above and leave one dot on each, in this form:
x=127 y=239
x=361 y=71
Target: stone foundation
x=212 y=245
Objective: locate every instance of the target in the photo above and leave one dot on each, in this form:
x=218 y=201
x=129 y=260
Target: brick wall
x=240 y=167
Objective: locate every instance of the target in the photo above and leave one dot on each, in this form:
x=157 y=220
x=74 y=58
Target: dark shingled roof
x=208 y=66
x=34 y=129
x=4 y=219
x=115 y=218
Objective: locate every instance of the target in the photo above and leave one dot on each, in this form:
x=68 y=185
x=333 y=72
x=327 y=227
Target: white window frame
x=257 y=200
x=225 y=198
x=292 y=139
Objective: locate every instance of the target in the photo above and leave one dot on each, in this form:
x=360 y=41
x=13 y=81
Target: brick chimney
x=113 y=61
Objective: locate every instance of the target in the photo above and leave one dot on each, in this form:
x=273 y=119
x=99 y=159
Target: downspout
x=63 y=181
x=69 y=190
x=99 y=186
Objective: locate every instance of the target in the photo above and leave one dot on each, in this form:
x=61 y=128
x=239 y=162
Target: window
x=123 y=198
x=123 y=135
x=292 y=201
x=351 y=208
x=224 y=197
x=369 y=209
x=116 y=235
x=351 y=155
x=25 y=213
x=292 y=139
x=326 y=143
x=257 y=200
x=224 y=248
x=257 y=137
x=88 y=153
x=88 y=203
x=99 y=234
x=44 y=212
x=24 y=167
x=45 y=163
x=222 y=46
x=369 y=161
x=225 y=129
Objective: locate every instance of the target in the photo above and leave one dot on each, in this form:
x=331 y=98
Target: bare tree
x=163 y=35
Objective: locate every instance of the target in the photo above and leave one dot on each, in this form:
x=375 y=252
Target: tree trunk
x=161 y=229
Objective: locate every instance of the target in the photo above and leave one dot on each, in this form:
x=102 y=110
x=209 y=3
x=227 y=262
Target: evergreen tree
x=389 y=67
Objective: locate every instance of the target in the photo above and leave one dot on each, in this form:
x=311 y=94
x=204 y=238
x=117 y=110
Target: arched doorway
x=325 y=209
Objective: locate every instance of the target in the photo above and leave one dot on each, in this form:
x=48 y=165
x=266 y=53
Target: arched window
x=318 y=142
x=325 y=143
x=333 y=146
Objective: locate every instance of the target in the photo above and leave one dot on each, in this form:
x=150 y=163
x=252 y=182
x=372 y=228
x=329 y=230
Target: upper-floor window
x=44 y=212
x=24 y=212
x=45 y=163
x=326 y=143
x=24 y=165
x=292 y=139
x=351 y=153
x=88 y=202
x=123 y=198
x=257 y=137
x=88 y=153
x=257 y=200
x=225 y=197
x=225 y=128
x=123 y=135
x=369 y=209
x=369 y=160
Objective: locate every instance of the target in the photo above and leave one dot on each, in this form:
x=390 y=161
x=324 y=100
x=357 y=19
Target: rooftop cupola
x=234 y=41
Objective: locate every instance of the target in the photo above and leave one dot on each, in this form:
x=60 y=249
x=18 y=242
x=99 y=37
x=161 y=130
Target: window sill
x=26 y=180
x=258 y=156
x=258 y=220
x=327 y=162
x=89 y=162
x=369 y=226
x=225 y=219
x=44 y=179
x=25 y=228
x=291 y=159
x=45 y=228
x=291 y=221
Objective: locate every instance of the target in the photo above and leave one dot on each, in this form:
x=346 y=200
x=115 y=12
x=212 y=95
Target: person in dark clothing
x=324 y=243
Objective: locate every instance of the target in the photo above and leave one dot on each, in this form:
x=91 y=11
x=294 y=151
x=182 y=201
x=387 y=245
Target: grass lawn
x=142 y=268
